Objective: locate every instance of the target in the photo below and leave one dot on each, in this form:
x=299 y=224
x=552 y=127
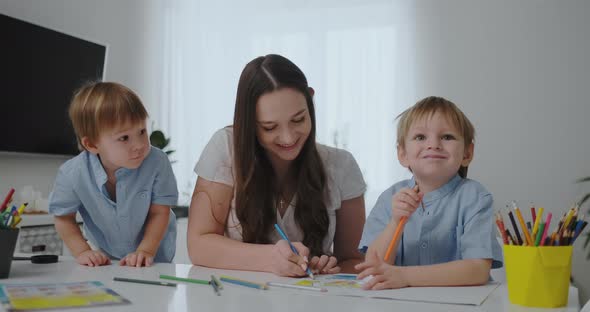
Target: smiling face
x=124 y=146
x=283 y=124
x=434 y=149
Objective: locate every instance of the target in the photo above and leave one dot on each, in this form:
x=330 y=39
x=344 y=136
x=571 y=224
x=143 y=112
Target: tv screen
x=39 y=71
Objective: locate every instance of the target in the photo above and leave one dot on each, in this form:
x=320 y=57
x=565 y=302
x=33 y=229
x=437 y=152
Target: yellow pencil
x=537 y=222
x=527 y=235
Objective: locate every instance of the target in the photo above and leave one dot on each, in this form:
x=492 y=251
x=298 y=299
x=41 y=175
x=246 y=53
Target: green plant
x=159 y=140
x=580 y=203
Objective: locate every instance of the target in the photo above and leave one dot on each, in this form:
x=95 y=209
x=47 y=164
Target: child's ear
x=311 y=91
x=402 y=156
x=468 y=156
x=88 y=145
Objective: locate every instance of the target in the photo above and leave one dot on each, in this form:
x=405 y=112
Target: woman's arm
x=350 y=219
x=207 y=246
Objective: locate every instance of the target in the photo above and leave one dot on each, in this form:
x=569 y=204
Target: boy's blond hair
x=104 y=105
x=427 y=107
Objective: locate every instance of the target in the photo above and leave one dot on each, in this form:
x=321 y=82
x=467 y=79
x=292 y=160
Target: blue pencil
x=284 y=236
x=240 y=282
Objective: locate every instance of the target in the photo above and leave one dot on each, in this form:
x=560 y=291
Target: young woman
x=267 y=168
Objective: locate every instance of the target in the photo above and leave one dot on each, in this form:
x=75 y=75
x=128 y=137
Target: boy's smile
x=434 y=150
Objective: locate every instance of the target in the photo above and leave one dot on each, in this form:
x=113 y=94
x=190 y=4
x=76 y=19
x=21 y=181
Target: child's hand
x=385 y=276
x=285 y=262
x=93 y=258
x=405 y=202
x=138 y=259
x=324 y=265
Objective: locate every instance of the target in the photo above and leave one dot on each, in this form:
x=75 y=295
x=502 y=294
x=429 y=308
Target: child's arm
x=70 y=233
x=403 y=203
x=467 y=272
x=207 y=245
x=155 y=229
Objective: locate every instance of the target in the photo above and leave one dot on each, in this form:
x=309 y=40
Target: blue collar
x=441 y=191
x=100 y=175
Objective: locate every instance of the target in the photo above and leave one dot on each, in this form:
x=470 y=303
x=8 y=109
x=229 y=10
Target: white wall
x=132 y=32
x=520 y=70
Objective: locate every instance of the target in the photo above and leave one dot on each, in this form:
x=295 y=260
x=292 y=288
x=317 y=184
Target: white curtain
x=358 y=56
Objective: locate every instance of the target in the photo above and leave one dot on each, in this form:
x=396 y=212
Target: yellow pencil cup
x=538 y=276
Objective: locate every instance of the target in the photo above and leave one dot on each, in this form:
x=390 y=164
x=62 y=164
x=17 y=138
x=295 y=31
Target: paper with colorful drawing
x=38 y=297
x=348 y=285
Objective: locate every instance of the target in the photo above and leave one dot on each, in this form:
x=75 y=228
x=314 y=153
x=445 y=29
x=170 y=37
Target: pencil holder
x=538 y=276
x=7 y=243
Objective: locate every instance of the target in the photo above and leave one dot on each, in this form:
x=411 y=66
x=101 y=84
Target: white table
x=193 y=297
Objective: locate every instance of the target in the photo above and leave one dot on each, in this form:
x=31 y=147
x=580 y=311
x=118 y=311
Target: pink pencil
x=545 y=230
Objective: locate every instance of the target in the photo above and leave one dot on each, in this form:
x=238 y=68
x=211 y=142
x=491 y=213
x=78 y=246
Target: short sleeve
x=215 y=163
x=351 y=183
x=165 y=191
x=377 y=220
x=63 y=199
x=478 y=240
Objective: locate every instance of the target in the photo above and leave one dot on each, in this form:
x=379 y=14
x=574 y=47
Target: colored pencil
x=547 y=222
x=302 y=287
x=216 y=281
x=141 y=281
x=398 y=231
x=214 y=286
x=183 y=279
x=284 y=236
x=240 y=282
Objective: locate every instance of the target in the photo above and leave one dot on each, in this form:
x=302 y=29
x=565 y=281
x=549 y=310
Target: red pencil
x=7 y=199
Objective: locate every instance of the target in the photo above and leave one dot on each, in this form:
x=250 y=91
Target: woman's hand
x=93 y=258
x=138 y=259
x=324 y=265
x=285 y=262
x=385 y=276
x=405 y=202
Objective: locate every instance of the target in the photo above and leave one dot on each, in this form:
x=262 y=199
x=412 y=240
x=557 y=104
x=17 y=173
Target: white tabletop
x=193 y=297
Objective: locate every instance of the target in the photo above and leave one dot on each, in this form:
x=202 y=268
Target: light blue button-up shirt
x=117 y=228
x=456 y=223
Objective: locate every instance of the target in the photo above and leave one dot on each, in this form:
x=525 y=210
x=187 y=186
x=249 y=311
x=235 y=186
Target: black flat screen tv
x=39 y=71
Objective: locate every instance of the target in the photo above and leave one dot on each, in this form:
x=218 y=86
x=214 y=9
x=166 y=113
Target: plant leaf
x=582 y=180
x=158 y=139
x=168 y=152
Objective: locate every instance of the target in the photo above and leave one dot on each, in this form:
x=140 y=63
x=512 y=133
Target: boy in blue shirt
x=121 y=186
x=449 y=237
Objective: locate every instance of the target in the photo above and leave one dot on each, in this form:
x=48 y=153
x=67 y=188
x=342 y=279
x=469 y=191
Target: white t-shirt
x=344 y=181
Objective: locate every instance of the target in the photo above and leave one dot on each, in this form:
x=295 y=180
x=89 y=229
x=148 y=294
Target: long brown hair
x=255 y=179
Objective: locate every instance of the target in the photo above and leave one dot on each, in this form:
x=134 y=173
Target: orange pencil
x=398 y=231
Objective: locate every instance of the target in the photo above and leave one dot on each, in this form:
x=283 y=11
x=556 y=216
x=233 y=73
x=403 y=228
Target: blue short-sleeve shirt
x=455 y=223
x=117 y=228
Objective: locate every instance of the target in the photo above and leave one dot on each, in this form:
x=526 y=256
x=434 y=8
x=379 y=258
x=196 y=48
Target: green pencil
x=183 y=279
x=140 y=281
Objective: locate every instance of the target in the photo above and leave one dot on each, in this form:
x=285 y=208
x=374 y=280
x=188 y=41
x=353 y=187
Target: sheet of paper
x=347 y=285
x=38 y=297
